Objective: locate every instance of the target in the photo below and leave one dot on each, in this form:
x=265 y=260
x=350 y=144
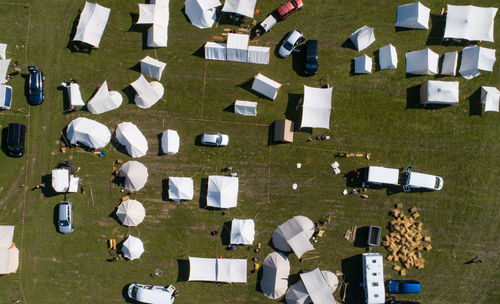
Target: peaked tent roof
x=157 y=14
x=449 y=66
x=297 y=294
x=363 y=37
x=63 y=181
x=275 y=272
x=131 y=212
x=132 y=138
x=414 y=15
x=132 y=248
x=294 y=235
x=317 y=287
x=88 y=132
x=135 y=173
x=75 y=95
x=201 y=13
x=388 y=57
x=92 y=23
x=258 y=54
x=363 y=64
x=148 y=93
x=104 y=100
x=222 y=191
x=331 y=279
x=170 y=142
x=422 y=62
x=265 y=86
x=180 y=188
x=152 y=67
x=490 y=96
x=242 y=7
x=475 y=58
x=242 y=231
x=470 y=22
x=439 y=92
x=316 y=107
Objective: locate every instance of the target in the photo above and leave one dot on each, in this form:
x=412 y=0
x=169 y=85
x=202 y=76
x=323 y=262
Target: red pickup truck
x=289 y=8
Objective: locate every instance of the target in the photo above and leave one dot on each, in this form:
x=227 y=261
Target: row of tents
x=236 y=48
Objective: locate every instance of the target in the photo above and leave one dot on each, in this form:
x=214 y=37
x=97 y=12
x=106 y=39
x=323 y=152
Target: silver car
x=290 y=42
x=65 y=219
x=151 y=294
x=214 y=139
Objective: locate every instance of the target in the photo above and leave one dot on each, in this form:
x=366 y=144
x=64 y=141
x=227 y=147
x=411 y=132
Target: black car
x=311 y=57
x=36 y=81
x=16 y=134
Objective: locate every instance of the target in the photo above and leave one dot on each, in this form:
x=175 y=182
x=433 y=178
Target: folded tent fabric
x=92 y=23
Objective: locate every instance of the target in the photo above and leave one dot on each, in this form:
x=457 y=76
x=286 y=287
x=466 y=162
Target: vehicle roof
x=210 y=136
x=383 y=175
x=410 y=287
x=294 y=35
x=155 y=295
x=422 y=180
x=312 y=47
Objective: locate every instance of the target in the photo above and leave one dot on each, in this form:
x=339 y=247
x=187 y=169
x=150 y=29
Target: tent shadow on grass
x=183 y=274
x=134 y=27
x=136 y=67
x=436 y=32
x=293 y=107
x=354 y=178
x=119 y=147
x=376 y=60
x=225 y=234
x=352 y=268
x=229 y=108
x=475 y=105
x=361 y=237
x=260 y=273
x=77 y=46
x=164 y=189
x=203 y=193
x=160 y=149
x=200 y=52
x=129 y=93
x=114 y=216
x=413 y=97
x=348 y=44
x=48 y=191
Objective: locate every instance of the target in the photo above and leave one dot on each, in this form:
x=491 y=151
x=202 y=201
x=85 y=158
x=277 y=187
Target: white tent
x=135 y=173
x=3 y=50
x=104 y=100
x=245 y=108
x=132 y=138
x=6 y=236
x=215 y=50
x=475 y=58
x=294 y=235
x=4 y=68
x=92 y=23
x=180 y=188
x=275 y=272
x=331 y=279
x=74 y=95
x=88 y=132
x=218 y=270
x=201 y=13
x=258 y=54
x=9 y=254
x=490 y=96
x=148 y=93
x=422 y=62
x=242 y=7
x=470 y=22
x=439 y=92
x=265 y=86
x=63 y=181
x=242 y=232
x=388 y=57
x=414 y=15
x=237 y=47
x=170 y=142
x=131 y=212
x=317 y=287
x=363 y=37
x=152 y=67
x=373 y=278
x=132 y=248
x=158 y=15
x=297 y=294
x=316 y=107
x=363 y=64
x=449 y=66
x=222 y=191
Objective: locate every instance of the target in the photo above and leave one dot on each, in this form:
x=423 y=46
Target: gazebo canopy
x=135 y=173
x=180 y=188
x=316 y=107
x=131 y=212
x=133 y=248
x=222 y=191
x=470 y=22
x=242 y=231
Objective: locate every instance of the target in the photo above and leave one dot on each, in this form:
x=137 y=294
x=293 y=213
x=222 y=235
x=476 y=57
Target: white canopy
x=265 y=86
x=363 y=64
x=133 y=248
x=9 y=254
x=294 y=235
x=74 y=95
x=275 y=272
x=148 y=93
x=449 y=66
x=242 y=232
x=317 y=287
x=132 y=138
x=316 y=108
x=215 y=50
x=131 y=212
x=201 y=13
x=246 y=108
x=490 y=96
x=4 y=68
x=414 y=15
x=104 y=100
x=152 y=67
x=388 y=57
x=135 y=173
x=423 y=62
x=258 y=54
x=237 y=47
x=218 y=270
x=363 y=37
x=158 y=15
x=297 y=294
x=180 y=188
x=6 y=236
x=439 y=92
x=170 y=142
x=63 y=181
x=92 y=23
x=373 y=278
x=242 y=7
x=222 y=191
x=88 y=132
x=3 y=50
x=470 y=22
x=475 y=58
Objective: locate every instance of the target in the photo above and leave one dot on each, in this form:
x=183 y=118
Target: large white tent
x=148 y=93
x=265 y=86
x=490 y=96
x=363 y=64
x=475 y=58
x=132 y=138
x=3 y=51
x=9 y=254
x=470 y=22
x=4 y=68
x=275 y=272
x=201 y=13
x=180 y=188
x=215 y=50
x=242 y=232
x=88 y=132
x=258 y=54
x=135 y=173
x=104 y=100
x=132 y=248
x=414 y=15
x=63 y=181
x=157 y=14
x=152 y=67
x=422 y=62
x=222 y=191
x=92 y=23
x=131 y=212
x=170 y=142
x=317 y=287
x=449 y=66
x=388 y=57
x=316 y=108
x=218 y=270
x=74 y=95
x=242 y=7
x=363 y=37
x=294 y=235
x=237 y=47
x=439 y=92
x=245 y=108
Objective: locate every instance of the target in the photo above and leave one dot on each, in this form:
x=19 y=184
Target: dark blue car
x=311 y=57
x=404 y=286
x=35 y=85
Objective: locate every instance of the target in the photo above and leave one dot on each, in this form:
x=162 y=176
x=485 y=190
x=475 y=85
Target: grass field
x=371 y=113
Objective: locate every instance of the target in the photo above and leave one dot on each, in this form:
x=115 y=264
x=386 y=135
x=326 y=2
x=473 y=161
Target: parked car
x=151 y=294
x=36 y=87
x=404 y=286
x=65 y=217
x=16 y=136
x=311 y=57
x=380 y=176
x=290 y=42
x=415 y=180
x=288 y=8
x=214 y=139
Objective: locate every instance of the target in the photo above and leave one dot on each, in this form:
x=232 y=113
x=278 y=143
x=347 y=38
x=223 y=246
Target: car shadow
x=55 y=217
x=5 y=132
x=299 y=60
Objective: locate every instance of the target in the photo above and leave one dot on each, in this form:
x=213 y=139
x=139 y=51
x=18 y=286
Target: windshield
x=287 y=45
x=438 y=182
x=311 y=64
x=134 y=292
x=64 y=223
x=219 y=139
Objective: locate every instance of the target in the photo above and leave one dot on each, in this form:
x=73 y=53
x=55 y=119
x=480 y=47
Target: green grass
x=370 y=114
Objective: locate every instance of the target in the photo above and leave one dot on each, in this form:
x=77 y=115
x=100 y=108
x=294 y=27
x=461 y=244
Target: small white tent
x=4 y=68
x=414 y=15
x=215 y=50
x=475 y=58
x=201 y=13
x=88 y=132
x=294 y=235
x=439 y=92
x=9 y=254
x=131 y=213
x=132 y=138
x=422 y=62
x=297 y=294
x=135 y=173
x=275 y=272
x=63 y=181
x=449 y=66
x=316 y=107
x=3 y=50
x=363 y=37
x=74 y=95
x=152 y=67
x=242 y=232
x=158 y=15
x=180 y=188
x=490 y=96
x=92 y=23
x=104 y=100
x=245 y=108
x=317 y=287
x=258 y=54
x=363 y=64
x=222 y=191
x=170 y=142
x=265 y=86
x=237 y=47
x=148 y=93
x=470 y=22
x=242 y=7
x=218 y=270
x=132 y=248
x=388 y=57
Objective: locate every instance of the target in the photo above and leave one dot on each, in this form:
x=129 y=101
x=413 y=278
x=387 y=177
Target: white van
x=381 y=176
x=415 y=180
